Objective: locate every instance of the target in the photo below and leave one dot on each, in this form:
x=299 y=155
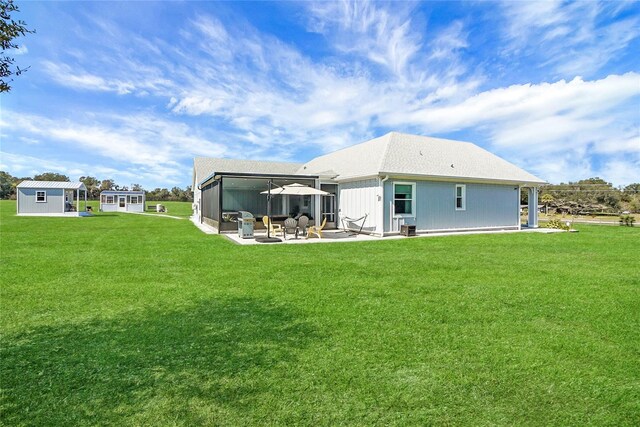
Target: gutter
x=469 y=179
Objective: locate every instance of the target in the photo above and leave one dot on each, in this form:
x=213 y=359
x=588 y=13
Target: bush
x=556 y=223
x=627 y=220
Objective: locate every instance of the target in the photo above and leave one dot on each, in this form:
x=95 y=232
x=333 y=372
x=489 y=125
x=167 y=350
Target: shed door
x=122 y=203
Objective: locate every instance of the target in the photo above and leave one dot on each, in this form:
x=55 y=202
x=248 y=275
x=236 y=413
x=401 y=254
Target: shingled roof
x=412 y=155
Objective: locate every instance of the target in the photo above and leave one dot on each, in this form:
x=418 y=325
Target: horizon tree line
x=95 y=186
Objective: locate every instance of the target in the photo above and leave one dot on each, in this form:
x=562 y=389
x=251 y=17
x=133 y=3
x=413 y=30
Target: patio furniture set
x=294 y=227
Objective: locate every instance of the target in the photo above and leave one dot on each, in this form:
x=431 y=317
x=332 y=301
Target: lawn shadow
x=191 y=365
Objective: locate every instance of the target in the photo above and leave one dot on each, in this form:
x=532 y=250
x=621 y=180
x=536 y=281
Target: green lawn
x=124 y=319
x=182 y=209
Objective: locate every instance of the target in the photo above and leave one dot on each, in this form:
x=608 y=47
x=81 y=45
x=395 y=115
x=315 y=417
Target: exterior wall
x=27 y=201
x=136 y=207
x=128 y=207
x=486 y=206
x=108 y=207
x=210 y=204
x=358 y=198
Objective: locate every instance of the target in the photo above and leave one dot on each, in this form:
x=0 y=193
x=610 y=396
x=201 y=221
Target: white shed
x=122 y=201
x=50 y=198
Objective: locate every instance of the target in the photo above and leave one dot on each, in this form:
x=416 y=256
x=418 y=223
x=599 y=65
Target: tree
x=136 y=187
x=6 y=185
x=51 y=176
x=9 y=31
x=632 y=188
x=107 y=184
x=546 y=199
x=93 y=186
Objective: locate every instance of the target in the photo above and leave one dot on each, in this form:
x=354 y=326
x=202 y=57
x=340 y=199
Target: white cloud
x=383 y=36
x=232 y=90
x=157 y=150
x=575 y=38
x=20 y=50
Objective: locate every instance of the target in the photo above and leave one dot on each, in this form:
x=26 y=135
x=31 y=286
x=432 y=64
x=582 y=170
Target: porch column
x=533 y=207
x=78 y=200
x=317 y=205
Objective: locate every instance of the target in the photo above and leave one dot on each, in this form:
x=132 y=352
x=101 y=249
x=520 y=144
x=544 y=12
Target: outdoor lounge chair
x=314 y=229
x=291 y=227
x=274 y=229
x=303 y=221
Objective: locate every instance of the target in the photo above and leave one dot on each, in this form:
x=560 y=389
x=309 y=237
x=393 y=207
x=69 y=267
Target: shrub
x=556 y=223
x=627 y=220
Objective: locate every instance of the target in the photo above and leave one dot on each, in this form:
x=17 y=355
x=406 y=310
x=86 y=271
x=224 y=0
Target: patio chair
x=273 y=228
x=314 y=229
x=303 y=221
x=291 y=227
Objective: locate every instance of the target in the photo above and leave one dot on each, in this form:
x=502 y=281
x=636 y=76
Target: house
x=122 y=201
x=398 y=179
x=50 y=198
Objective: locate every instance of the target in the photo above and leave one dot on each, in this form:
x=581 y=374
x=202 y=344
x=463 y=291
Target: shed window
x=461 y=191
x=404 y=198
x=41 y=196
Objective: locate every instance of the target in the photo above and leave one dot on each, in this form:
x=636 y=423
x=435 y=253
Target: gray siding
x=27 y=201
x=487 y=205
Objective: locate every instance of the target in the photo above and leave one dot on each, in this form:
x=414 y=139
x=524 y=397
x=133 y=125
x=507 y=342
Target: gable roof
x=413 y=155
x=204 y=167
x=65 y=185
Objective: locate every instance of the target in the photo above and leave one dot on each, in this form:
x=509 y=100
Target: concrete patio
x=333 y=236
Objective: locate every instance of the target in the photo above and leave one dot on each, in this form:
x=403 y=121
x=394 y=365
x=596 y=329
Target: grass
x=181 y=209
x=124 y=319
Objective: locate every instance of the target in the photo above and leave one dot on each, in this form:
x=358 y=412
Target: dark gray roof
x=204 y=167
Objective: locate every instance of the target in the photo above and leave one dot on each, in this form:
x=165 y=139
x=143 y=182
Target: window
x=404 y=198
x=107 y=200
x=135 y=200
x=41 y=196
x=461 y=197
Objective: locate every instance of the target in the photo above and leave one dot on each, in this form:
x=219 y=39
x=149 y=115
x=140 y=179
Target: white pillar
x=317 y=205
x=533 y=207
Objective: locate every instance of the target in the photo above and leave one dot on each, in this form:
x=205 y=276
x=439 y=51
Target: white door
x=122 y=204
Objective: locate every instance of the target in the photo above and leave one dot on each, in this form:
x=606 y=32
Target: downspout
x=382 y=181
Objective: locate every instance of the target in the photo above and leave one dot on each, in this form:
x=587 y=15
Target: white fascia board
x=357 y=178
x=463 y=179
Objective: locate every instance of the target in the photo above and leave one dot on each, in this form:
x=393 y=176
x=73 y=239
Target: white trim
x=469 y=180
x=45 y=196
x=463 y=197
x=413 y=199
x=448 y=230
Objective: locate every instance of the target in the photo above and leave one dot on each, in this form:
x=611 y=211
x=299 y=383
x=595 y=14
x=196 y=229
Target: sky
x=133 y=91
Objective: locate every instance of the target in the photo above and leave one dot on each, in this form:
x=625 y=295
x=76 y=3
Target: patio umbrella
x=296 y=190
x=292 y=190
